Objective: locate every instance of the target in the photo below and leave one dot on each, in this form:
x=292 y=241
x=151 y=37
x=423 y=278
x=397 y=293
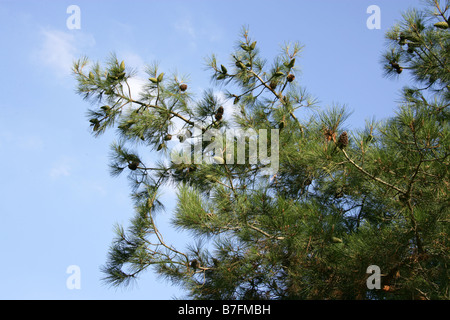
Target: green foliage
x=311 y=230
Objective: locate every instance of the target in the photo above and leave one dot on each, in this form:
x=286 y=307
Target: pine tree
x=340 y=201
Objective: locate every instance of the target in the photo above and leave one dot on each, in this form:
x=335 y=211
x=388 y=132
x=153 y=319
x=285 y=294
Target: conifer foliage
x=341 y=200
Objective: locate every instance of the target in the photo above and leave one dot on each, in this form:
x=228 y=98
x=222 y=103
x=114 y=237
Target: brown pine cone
x=290 y=77
x=133 y=165
x=343 y=140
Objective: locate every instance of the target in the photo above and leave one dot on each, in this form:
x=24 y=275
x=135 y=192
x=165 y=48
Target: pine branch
x=371 y=175
x=264 y=233
x=278 y=95
x=158 y=233
x=175 y=114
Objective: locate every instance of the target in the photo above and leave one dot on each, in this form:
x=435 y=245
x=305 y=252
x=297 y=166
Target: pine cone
x=240 y=65
x=441 y=25
x=133 y=165
x=290 y=77
x=402 y=39
x=183 y=87
x=219 y=114
x=343 y=140
x=162 y=145
x=273 y=84
x=195 y=264
x=394 y=64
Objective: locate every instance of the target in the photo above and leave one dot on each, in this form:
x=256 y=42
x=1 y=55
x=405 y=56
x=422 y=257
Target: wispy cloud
x=209 y=30
x=132 y=59
x=136 y=86
x=61 y=168
x=59 y=49
x=185 y=26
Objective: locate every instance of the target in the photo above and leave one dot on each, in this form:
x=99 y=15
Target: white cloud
x=209 y=30
x=61 y=168
x=185 y=26
x=136 y=86
x=134 y=63
x=59 y=49
x=133 y=60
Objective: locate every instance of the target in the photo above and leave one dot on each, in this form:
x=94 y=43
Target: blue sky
x=58 y=203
